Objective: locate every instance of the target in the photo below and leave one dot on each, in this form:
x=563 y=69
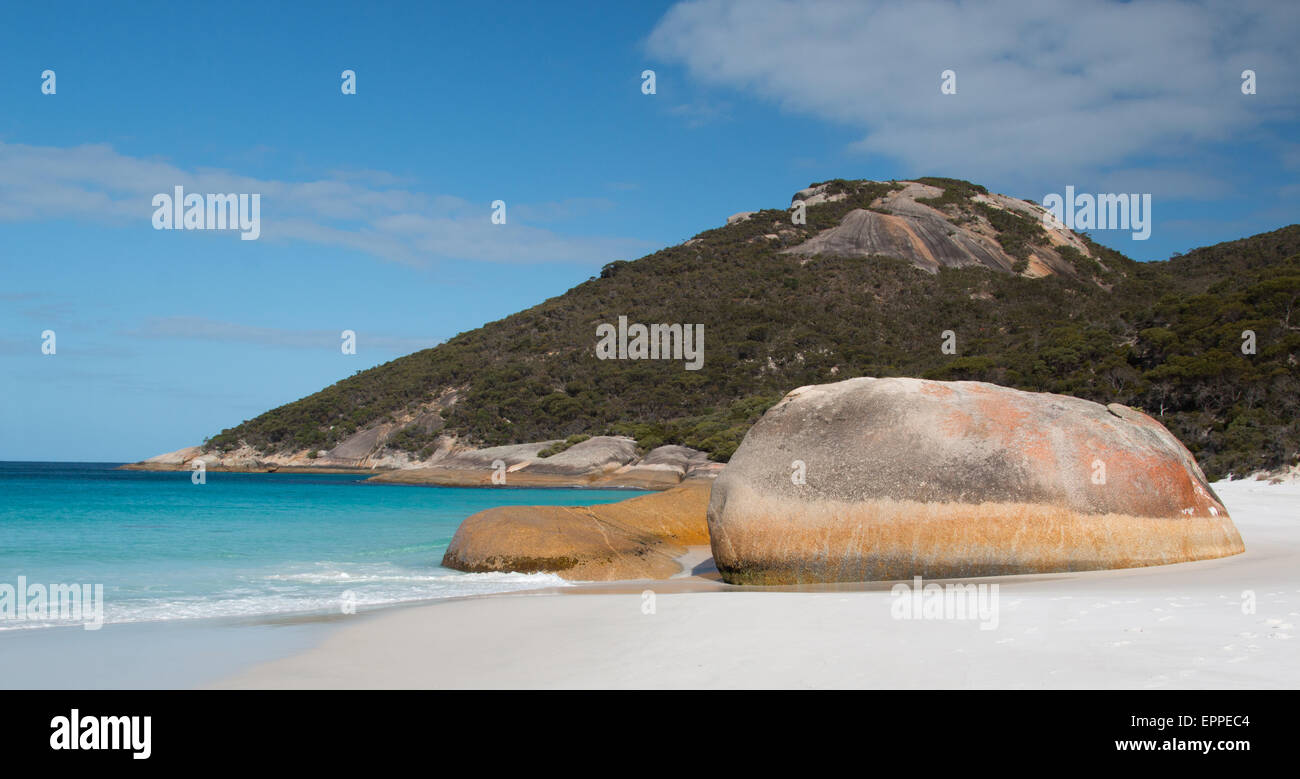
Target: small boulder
x=639 y=538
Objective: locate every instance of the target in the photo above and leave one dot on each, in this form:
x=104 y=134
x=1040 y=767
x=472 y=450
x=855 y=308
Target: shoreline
x=447 y=477
x=202 y=651
x=165 y=468
x=1172 y=626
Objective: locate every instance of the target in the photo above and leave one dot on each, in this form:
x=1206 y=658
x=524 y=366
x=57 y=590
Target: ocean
x=242 y=545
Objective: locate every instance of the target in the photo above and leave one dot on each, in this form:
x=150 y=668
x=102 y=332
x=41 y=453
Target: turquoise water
x=243 y=544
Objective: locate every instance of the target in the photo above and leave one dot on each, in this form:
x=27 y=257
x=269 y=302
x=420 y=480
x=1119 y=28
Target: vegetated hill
x=1034 y=309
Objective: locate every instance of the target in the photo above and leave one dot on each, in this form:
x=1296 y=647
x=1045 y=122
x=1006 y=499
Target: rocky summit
x=879 y=479
x=915 y=222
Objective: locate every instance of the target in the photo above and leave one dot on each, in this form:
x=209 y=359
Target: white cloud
x=368 y=211
x=1164 y=184
x=1043 y=88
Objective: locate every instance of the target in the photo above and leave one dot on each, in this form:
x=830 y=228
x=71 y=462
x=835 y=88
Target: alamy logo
x=945 y=601
x=1100 y=212
x=651 y=342
x=180 y=211
x=39 y=603
x=102 y=732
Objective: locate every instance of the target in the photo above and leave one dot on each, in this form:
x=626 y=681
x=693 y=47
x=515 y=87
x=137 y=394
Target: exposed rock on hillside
x=602 y=461
x=935 y=234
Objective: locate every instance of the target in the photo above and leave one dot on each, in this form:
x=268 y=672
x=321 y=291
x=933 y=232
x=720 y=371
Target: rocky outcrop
x=816 y=195
x=638 y=538
x=931 y=236
x=879 y=479
x=668 y=466
x=601 y=461
x=244 y=460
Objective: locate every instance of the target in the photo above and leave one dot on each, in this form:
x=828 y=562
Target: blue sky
x=376 y=206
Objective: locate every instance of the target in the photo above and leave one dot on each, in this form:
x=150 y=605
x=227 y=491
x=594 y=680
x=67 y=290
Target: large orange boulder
x=879 y=479
x=639 y=538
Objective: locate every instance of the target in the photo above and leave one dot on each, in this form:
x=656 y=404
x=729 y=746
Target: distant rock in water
x=907 y=477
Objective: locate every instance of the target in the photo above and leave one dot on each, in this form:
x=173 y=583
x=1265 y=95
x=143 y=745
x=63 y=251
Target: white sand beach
x=1179 y=626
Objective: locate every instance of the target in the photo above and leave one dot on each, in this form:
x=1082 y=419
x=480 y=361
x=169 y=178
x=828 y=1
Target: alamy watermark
x=92 y=731
x=651 y=342
x=1099 y=212
x=40 y=603
x=945 y=601
x=179 y=211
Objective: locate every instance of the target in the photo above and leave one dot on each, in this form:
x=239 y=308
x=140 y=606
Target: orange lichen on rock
x=907 y=477
x=833 y=541
x=639 y=538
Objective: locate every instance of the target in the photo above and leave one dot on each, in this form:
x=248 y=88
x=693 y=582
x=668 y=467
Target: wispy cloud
x=701 y=112
x=369 y=211
x=563 y=210
x=203 y=329
x=39 y=307
x=1165 y=183
x=1043 y=88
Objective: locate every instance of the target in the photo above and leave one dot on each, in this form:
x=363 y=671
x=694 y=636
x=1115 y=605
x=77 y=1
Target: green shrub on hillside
x=560 y=446
x=1162 y=336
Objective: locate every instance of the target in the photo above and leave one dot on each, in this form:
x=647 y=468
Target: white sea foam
x=323 y=591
